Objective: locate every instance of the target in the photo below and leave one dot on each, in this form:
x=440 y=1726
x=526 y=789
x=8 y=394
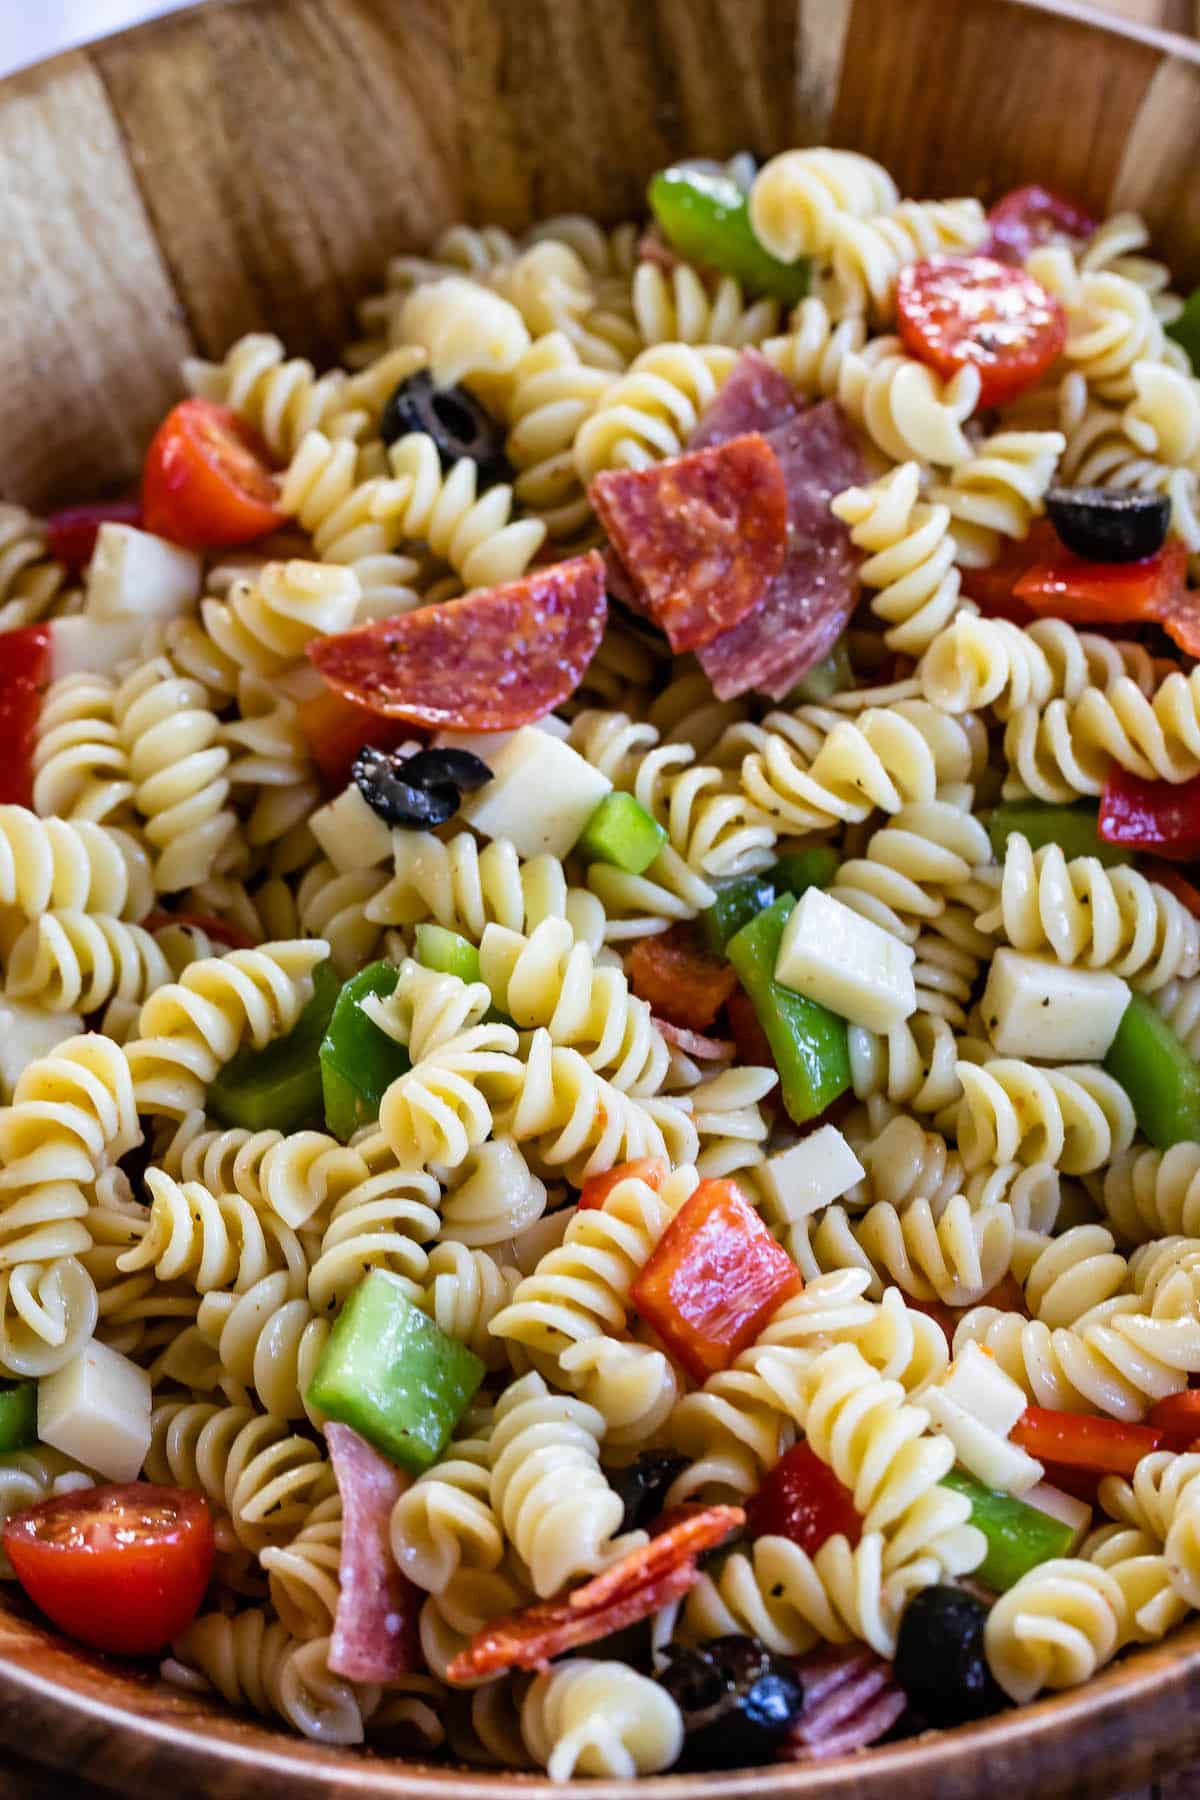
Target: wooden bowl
x=255 y=163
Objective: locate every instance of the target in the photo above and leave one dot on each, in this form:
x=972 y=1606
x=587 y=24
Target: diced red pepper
x=1178 y=1418
x=337 y=729
x=24 y=672
x=653 y=1170
x=1081 y=1441
x=1066 y=586
x=222 y=931
x=1162 y=816
x=748 y=1034
x=1175 y=883
x=991 y=587
x=1081 y=1484
x=802 y=1499
x=71 y=534
x=1181 y=621
x=680 y=978
x=714 y=1279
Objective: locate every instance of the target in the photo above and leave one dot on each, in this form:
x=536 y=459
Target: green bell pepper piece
x=1075 y=829
x=1186 y=328
x=1019 y=1537
x=1157 y=1073
x=826 y=678
x=795 y=874
x=734 y=907
x=279 y=1086
x=808 y=1042
x=446 y=952
x=18 y=1415
x=706 y=218
x=621 y=831
x=358 y=1061
x=389 y=1372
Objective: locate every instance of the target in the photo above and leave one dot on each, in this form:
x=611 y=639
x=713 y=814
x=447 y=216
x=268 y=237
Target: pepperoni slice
x=492 y=661
x=702 y=536
x=955 y=310
x=1030 y=216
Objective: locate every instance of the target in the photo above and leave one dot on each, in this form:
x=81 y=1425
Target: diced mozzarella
x=976 y=1380
x=851 y=965
x=97 y=1409
x=812 y=1174
x=541 y=795
x=350 y=833
x=1072 y=1511
x=133 y=571
x=1033 y=1006
x=80 y=645
x=980 y=1450
x=27 y=1032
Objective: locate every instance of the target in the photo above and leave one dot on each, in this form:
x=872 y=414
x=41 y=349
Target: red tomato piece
x=714 y=1279
x=71 y=534
x=222 y=931
x=207 y=479
x=1082 y=1484
x=1163 y=816
x=702 y=536
x=1066 y=586
x=492 y=661
x=24 y=673
x=1081 y=1441
x=955 y=310
x=1178 y=1418
x=683 y=981
x=119 y=1568
x=336 y=729
x=1030 y=216
x=802 y=1499
x=653 y=1170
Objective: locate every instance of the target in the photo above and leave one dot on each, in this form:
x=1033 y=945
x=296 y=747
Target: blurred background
x=31 y=29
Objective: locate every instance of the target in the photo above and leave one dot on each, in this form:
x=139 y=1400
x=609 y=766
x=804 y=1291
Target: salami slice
x=754 y=397
x=375 y=1628
x=702 y=536
x=492 y=661
x=810 y=601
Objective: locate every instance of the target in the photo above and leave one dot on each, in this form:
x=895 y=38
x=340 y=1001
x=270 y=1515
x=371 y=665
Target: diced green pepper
x=1157 y=1073
x=826 y=678
x=18 y=1415
x=358 y=1061
x=279 y=1086
x=734 y=907
x=808 y=1042
x=1075 y=829
x=389 y=1372
x=803 y=869
x=706 y=218
x=447 y=952
x=1019 y=1537
x=621 y=831
x=1186 y=329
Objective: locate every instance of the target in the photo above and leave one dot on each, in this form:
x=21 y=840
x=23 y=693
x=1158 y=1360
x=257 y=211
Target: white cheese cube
x=133 y=571
x=80 y=646
x=1033 y=1006
x=811 y=1175
x=1056 y=1505
x=541 y=796
x=982 y=1452
x=976 y=1381
x=350 y=833
x=97 y=1409
x=26 y=1032
x=832 y=954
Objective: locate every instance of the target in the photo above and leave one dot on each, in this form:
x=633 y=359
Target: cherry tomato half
x=24 y=676
x=1030 y=216
x=207 y=479
x=955 y=310
x=119 y=1568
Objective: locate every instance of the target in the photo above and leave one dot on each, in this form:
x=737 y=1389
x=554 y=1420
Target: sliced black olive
x=1109 y=524
x=453 y=418
x=738 y=1699
x=454 y=768
x=380 y=780
x=940 y=1662
x=643 y=1485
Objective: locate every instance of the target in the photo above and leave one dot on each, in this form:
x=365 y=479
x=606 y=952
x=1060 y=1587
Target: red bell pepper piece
x=1066 y=586
x=802 y=1499
x=1081 y=1484
x=1178 y=1418
x=991 y=588
x=653 y=1170
x=1081 y=1441
x=71 y=534
x=24 y=672
x=748 y=1035
x=1173 y=881
x=714 y=1279
x=683 y=982
x=1163 y=816
x=337 y=729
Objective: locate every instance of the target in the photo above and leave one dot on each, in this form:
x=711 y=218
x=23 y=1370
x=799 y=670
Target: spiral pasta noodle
x=1075 y=1117
x=72 y=864
x=600 y=1718
x=798 y=199
x=80 y=767
x=550 y=394
x=465 y=889
x=868 y=252
x=956 y=1258
x=650 y=411
x=1054 y=1628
